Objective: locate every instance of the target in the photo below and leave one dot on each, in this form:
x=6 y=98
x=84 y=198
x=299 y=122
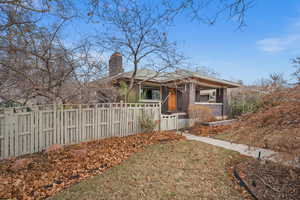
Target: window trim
x=149 y=100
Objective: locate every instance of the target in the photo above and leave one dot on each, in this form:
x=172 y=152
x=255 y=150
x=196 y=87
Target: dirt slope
x=275 y=126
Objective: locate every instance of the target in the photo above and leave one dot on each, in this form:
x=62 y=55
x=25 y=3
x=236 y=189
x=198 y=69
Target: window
x=149 y=93
x=204 y=95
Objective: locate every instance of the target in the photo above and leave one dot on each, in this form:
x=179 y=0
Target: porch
x=182 y=89
x=178 y=99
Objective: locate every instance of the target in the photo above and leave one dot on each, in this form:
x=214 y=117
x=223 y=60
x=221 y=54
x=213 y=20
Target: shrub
x=130 y=96
x=147 y=123
x=244 y=100
x=7 y=104
x=200 y=113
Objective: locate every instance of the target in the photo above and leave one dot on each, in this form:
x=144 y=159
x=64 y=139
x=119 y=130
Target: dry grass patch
x=182 y=170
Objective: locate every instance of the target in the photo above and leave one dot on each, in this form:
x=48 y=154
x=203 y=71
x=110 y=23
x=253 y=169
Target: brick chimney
x=115 y=64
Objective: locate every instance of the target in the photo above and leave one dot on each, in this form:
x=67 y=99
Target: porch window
x=150 y=93
x=204 y=95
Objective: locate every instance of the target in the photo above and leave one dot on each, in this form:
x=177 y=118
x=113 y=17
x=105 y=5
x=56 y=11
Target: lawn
x=181 y=170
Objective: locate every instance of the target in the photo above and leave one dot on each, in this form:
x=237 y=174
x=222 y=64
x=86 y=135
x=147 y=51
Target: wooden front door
x=172 y=100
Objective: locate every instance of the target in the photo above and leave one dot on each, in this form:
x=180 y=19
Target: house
x=174 y=90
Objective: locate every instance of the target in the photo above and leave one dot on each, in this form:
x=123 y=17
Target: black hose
x=243 y=184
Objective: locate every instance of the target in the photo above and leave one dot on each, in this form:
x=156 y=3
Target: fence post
x=54 y=123
x=126 y=119
x=15 y=129
x=177 y=122
x=6 y=134
x=32 y=131
x=160 y=117
x=40 y=131
x=111 y=119
x=80 y=123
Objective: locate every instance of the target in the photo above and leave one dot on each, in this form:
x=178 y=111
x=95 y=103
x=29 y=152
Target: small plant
x=147 y=123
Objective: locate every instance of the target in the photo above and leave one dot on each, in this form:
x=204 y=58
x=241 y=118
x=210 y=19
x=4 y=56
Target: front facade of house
x=177 y=90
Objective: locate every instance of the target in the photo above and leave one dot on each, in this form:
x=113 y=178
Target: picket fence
x=26 y=130
x=169 y=122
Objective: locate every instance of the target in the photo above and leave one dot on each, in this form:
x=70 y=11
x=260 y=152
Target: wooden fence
x=26 y=130
x=31 y=129
x=169 y=122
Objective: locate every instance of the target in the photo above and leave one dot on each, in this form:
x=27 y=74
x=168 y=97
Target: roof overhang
x=176 y=78
x=207 y=82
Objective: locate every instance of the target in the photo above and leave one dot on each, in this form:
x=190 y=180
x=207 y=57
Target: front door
x=172 y=100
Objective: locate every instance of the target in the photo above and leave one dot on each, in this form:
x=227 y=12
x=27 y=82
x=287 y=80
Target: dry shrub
x=147 y=123
x=199 y=113
x=208 y=131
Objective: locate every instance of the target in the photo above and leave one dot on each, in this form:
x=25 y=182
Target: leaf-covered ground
x=208 y=131
x=182 y=170
x=44 y=174
x=270 y=181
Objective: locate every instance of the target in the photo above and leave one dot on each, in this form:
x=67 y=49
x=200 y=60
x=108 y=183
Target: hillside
x=276 y=125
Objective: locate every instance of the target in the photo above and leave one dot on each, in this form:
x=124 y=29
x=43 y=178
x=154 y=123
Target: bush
x=200 y=113
x=244 y=100
x=147 y=123
x=8 y=104
x=129 y=96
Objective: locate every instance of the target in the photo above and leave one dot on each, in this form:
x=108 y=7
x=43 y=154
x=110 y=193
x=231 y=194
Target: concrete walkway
x=265 y=154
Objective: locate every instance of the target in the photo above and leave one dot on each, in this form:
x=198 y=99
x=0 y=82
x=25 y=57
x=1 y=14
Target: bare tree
x=35 y=64
x=275 y=81
x=209 y=11
x=38 y=9
x=136 y=29
x=36 y=60
x=206 y=71
x=296 y=74
x=91 y=67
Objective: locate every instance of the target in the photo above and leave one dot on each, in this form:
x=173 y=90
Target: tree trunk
x=132 y=79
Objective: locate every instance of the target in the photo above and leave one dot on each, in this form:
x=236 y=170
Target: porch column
x=225 y=102
x=221 y=97
x=192 y=93
x=164 y=100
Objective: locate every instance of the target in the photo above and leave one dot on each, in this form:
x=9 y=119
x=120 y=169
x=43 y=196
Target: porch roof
x=176 y=76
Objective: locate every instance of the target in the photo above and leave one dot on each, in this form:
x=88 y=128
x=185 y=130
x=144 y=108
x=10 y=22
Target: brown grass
x=182 y=170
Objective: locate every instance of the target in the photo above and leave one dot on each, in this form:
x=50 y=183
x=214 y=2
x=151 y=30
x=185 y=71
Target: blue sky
x=267 y=44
